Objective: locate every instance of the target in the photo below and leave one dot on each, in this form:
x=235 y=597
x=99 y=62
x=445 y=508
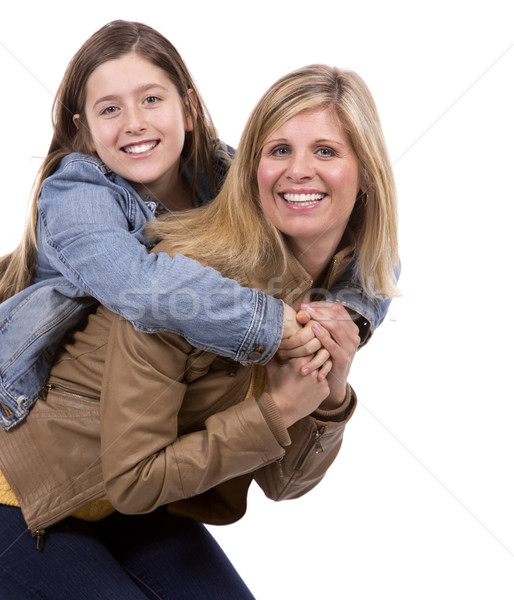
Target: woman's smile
x=308 y=178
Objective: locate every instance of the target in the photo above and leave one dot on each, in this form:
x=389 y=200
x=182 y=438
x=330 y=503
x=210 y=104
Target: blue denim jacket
x=91 y=249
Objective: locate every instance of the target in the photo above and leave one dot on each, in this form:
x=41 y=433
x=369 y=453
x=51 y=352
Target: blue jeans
x=125 y=557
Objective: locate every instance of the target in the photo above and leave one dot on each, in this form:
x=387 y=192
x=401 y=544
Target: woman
x=155 y=422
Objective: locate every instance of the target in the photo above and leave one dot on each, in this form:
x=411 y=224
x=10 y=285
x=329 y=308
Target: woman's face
x=136 y=122
x=308 y=178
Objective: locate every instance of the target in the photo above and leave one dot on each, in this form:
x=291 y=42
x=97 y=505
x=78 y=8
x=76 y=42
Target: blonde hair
x=112 y=41
x=233 y=234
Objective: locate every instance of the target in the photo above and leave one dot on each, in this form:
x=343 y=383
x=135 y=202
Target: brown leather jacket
x=151 y=421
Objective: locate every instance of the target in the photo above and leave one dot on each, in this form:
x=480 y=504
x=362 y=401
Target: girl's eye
x=151 y=100
x=109 y=110
x=326 y=152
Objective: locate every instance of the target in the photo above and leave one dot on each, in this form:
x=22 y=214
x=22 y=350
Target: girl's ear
x=192 y=103
x=84 y=135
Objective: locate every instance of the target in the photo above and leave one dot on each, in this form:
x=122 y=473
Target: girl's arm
x=91 y=232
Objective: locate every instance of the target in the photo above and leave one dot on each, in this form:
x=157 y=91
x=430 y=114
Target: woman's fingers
x=318 y=360
x=336 y=320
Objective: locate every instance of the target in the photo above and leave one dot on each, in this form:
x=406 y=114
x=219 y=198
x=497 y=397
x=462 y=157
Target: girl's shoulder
x=78 y=170
x=76 y=163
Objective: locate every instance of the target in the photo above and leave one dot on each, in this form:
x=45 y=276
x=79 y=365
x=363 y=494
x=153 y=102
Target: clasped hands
x=312 y=364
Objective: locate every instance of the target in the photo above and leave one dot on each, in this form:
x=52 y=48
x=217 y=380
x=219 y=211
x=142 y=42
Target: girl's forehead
x=126 y=74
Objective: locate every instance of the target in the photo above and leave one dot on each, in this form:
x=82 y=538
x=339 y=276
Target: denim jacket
x=91 y=249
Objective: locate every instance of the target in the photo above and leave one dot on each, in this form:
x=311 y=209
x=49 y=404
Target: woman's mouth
x=302 y=199
x=140 y=148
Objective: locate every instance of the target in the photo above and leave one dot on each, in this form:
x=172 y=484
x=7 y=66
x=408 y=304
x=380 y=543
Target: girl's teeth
x=140 y=148
x=303 y=198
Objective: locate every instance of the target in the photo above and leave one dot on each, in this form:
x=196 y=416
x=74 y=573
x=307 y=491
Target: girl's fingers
x=306 y=349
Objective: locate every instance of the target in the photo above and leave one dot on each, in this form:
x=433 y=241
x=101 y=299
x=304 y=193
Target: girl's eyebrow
x=140 y=89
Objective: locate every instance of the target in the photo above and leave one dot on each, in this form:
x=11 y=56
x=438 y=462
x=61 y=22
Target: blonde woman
x=170 y=436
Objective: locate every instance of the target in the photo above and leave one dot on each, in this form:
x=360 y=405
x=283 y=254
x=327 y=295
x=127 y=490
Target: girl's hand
x=291 y=325
x=304 y=343
x=294 y=394
x=339 y=335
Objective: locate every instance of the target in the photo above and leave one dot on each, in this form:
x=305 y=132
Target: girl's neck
x=175 y=195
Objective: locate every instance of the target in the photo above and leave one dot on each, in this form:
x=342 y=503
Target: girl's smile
x=135 y=118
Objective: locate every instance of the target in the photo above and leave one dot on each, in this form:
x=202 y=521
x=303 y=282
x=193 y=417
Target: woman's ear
x=191 y=114
x=76 y=120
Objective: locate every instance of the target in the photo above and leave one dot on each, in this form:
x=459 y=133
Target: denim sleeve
x=93 y=235
x=367 y=312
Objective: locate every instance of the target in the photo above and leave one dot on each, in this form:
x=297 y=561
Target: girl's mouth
x=140 y=148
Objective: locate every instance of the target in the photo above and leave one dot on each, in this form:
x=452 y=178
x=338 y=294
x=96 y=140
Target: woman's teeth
x=303 y=199
x=140 y=148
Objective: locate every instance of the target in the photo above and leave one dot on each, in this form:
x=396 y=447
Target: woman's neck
x=314 y=257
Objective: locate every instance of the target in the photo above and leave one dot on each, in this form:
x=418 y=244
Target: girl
x=132 y=139
x=155 y=422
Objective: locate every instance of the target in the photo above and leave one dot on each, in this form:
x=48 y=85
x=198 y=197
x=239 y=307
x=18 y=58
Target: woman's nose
x=301 y=166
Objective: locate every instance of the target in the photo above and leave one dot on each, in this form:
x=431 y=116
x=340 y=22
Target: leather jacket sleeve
x=147 y=460
x=314 y=445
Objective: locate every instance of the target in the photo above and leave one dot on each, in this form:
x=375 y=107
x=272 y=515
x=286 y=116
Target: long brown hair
x=233 y=234
x=110 y=42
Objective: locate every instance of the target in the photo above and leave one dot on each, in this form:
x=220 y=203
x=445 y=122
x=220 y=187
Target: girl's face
x=136 y=123
x=308 y=178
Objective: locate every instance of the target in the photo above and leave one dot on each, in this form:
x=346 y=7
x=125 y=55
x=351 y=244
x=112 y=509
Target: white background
x=419 y=503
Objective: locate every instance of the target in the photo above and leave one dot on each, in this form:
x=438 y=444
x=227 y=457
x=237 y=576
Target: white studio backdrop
x=419 y=502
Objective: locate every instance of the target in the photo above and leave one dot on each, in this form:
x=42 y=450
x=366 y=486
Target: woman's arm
x=147 y=460
x=315 y=443
x=315 y=429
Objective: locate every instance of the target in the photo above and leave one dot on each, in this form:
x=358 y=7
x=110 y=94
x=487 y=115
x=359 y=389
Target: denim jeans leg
x=175 y=557
x=72 y=564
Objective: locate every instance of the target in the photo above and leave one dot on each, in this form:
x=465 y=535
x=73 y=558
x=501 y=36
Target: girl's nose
x=134 y=121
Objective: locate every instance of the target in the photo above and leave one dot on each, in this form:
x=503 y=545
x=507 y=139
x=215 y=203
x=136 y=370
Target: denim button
x=255 y=354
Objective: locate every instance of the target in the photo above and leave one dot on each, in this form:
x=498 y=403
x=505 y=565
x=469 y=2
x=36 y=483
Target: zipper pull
x=279 y=462
x=232 y=367
x=317 y=444
x=38 y=534
x=43 y=392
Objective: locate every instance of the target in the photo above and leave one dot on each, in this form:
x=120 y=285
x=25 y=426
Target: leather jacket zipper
x=313 y=442
x=38 y=534
x=62 y=388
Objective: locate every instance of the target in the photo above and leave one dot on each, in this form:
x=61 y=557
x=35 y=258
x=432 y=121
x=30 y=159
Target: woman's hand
x=339 y=336
x=294 y=394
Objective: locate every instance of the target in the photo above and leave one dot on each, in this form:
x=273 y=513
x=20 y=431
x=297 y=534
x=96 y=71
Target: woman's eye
x=151 y=100
x=280 y=151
